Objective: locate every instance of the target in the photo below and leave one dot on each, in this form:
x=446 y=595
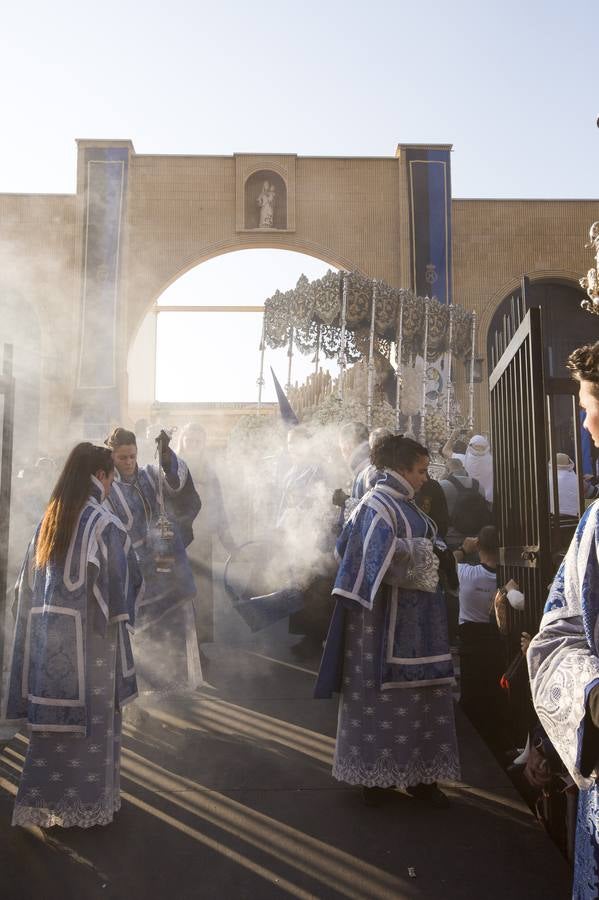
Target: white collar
x=402 y=483
x=97 y=483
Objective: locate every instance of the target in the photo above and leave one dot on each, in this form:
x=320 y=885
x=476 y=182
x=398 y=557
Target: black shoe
x=372 y=796
x=429 y=795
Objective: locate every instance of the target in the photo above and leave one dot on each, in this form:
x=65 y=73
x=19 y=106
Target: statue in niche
x=266 y=205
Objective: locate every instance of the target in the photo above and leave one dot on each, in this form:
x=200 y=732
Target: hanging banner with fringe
x=97 y=396
x=429 y=188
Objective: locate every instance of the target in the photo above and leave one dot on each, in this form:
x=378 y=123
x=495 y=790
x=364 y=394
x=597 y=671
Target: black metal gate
x=7 y=407
x=521 y=482
x=533 y=418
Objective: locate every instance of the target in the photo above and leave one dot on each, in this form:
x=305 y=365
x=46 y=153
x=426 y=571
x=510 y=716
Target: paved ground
x=227 y=793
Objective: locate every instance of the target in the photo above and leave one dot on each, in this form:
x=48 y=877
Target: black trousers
x=481 y=667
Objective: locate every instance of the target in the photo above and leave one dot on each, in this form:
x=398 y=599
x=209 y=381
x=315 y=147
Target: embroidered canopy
x=314 y=310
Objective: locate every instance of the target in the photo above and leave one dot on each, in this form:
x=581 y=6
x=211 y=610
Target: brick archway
x=202 y=294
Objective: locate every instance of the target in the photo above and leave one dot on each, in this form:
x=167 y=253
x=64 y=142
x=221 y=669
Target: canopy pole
x=398 y=371
x=411 y=416
x=7 y=385
x=427 y=304
x=260 y=381
x=471 y=379
x=449 y=367
x=290 y=355
x=342 y=338
x=371 y=356
x=317 y=355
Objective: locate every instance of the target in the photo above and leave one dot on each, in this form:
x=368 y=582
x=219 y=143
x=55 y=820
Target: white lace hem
x=386 y=772
x=68 y=813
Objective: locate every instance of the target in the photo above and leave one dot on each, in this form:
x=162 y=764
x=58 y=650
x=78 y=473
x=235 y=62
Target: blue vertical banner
x=429 y=188
x=97 y=398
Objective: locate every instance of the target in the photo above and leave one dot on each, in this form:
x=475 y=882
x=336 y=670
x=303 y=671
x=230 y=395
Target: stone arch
x=147 y=344
x=556 y=294
x=565 y=326
x=140 y=306
x=511 y=287
x=493 y=310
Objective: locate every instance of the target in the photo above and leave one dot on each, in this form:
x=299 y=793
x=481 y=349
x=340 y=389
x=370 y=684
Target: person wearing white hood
x=479 y=464
x=567 y=486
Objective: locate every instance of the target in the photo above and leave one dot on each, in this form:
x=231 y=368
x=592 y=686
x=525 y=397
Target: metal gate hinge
x=527 y=557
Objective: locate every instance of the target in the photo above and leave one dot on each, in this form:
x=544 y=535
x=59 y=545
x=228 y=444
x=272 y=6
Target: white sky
x=215 y=356
x=510 y=84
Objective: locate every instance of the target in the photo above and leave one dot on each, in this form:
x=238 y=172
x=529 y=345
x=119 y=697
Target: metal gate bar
x=520 y=468
x=7 y=390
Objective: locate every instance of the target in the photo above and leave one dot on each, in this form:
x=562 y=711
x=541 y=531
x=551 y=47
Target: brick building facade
x=78 y=273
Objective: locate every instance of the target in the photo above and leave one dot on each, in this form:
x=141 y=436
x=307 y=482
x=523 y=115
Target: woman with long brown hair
x=72 y=667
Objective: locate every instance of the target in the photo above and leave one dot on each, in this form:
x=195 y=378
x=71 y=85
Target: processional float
x=355 y=319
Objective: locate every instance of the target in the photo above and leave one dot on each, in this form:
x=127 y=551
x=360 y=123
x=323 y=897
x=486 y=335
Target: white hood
x=479 y=464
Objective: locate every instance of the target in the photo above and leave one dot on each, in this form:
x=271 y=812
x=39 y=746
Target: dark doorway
x=565 y=325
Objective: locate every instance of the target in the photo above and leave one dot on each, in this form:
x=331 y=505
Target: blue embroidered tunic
x=72 y=671
x=135 y=502
x=563 y=661
x=387 y=653
x=49 y=664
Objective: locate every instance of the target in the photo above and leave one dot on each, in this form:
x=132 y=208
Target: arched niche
x=263 y=188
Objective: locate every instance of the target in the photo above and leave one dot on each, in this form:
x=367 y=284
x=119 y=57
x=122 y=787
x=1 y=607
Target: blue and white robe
x=72 y=671
x=365 y=476
x=166 y=618
x=364 y=481
x=213 y=524
x=135 y=502
x=302 y=490
x=358 y=464
x=563 y=661
x=387 y=653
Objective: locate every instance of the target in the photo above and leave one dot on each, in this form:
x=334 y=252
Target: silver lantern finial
x=590 y=282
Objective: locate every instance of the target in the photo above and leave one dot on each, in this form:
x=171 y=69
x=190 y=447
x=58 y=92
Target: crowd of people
x=116 y=595
x=402 y=581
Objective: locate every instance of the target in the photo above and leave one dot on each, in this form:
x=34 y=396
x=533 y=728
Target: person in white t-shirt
x=478 y=583
x=567 y=486
x=481 y=652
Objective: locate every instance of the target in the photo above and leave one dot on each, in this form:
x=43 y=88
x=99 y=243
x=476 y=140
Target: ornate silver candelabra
x=590 y=282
